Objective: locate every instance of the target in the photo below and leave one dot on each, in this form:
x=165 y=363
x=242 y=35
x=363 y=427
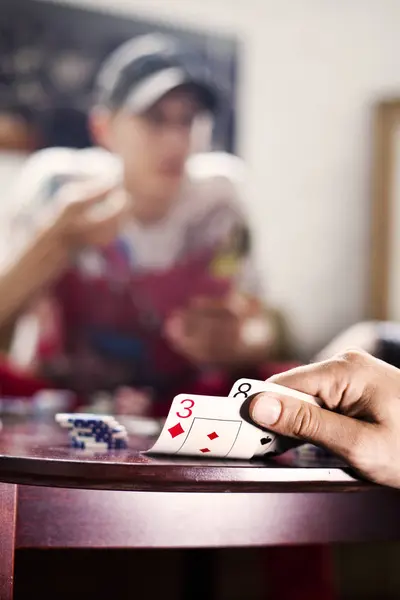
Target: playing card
x=269 y=443
x=211 y=437
x=244 y=388
x=207 y=426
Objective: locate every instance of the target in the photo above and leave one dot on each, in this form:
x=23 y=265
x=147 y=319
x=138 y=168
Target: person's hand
x=362 y=423
x=208 y=331
x=133 y=402
x=88 y=215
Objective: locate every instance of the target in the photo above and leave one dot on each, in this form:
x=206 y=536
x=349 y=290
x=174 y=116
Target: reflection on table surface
x=42 y=438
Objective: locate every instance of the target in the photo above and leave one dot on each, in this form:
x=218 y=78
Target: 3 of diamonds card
x=207 y=426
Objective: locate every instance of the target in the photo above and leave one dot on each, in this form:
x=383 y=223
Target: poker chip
x=93 y=432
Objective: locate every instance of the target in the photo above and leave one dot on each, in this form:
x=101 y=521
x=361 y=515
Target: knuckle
x=334 y=377
x=354 y=357
x=303 y=422
x=345 y=367
x=354 y=369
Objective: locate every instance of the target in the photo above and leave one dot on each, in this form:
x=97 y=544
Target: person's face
x=154 y=146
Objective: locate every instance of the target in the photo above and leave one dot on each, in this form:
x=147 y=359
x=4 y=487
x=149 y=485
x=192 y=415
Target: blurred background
x=312 y=106
x=304 y=77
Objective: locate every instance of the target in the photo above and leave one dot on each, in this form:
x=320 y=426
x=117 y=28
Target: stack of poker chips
x=93 y=432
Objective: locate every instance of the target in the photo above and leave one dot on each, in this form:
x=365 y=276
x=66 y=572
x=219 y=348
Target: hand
x=79 y=219
x=130 y=401
x=84 y=220
x=362 y=423
x=208 y=332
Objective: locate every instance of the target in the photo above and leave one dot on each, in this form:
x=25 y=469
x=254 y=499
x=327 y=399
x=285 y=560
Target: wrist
x=45 y=259
x=55 y=239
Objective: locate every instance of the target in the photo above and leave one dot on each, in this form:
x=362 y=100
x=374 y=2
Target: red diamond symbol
x=213 y=435
x=176 y=430
x=204 y=450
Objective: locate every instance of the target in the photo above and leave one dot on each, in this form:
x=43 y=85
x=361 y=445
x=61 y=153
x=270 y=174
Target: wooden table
x=127 y=499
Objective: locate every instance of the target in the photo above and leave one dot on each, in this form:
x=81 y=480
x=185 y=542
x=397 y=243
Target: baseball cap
x=144 y=69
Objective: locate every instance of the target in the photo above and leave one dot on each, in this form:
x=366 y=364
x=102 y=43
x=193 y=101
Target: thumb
x=301 y=420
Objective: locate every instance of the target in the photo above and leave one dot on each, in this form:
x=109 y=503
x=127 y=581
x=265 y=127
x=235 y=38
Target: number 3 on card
x=187 y=409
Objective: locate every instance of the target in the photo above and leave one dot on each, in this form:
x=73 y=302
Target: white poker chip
x=91 y=431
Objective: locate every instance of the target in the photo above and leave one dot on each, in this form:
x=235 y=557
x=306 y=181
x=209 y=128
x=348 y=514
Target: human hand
x=133 y=402
x=208 y=331
x=362 y=423
x=89 y=215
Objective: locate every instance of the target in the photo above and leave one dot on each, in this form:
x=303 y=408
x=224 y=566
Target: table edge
x=180 y=477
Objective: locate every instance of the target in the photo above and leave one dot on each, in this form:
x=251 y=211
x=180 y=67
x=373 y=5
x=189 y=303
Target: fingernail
x=266 y=410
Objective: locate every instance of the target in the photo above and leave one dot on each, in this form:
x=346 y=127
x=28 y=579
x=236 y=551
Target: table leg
x=8 y=513
x=199 y=574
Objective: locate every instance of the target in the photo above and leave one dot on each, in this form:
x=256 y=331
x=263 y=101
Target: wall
x=311 y=72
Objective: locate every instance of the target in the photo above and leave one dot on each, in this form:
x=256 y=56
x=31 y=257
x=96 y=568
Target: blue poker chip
x=87 y=431
x=104 y=437
x=119 y=444
x=78 y=422
x=78 y=444
x=102 y=426
x=84 y=434
x=98 y=426
x=101 y=434
x=88 y=444
x=118 y=429
x=94 y=422
x=89 y=422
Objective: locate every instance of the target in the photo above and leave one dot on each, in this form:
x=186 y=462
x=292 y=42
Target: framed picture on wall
x=50 y=53
x=385 y=258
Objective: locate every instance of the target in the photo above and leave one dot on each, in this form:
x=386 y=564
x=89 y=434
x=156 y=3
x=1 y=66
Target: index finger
x=330 y=381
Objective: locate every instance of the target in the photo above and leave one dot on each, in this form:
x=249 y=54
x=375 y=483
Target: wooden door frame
x=386 y=122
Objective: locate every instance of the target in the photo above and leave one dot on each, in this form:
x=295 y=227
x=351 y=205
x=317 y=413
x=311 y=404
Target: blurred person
x=147 y=277
x=131 y=266
x=23 y=278
x=18 y=139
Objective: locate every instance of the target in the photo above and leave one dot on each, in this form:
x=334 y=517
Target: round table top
x=38 y=453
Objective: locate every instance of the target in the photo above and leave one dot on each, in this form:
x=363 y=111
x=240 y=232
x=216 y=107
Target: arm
x=47 y=229
x=236 y=329
x=41 y=262
x=262 y=332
